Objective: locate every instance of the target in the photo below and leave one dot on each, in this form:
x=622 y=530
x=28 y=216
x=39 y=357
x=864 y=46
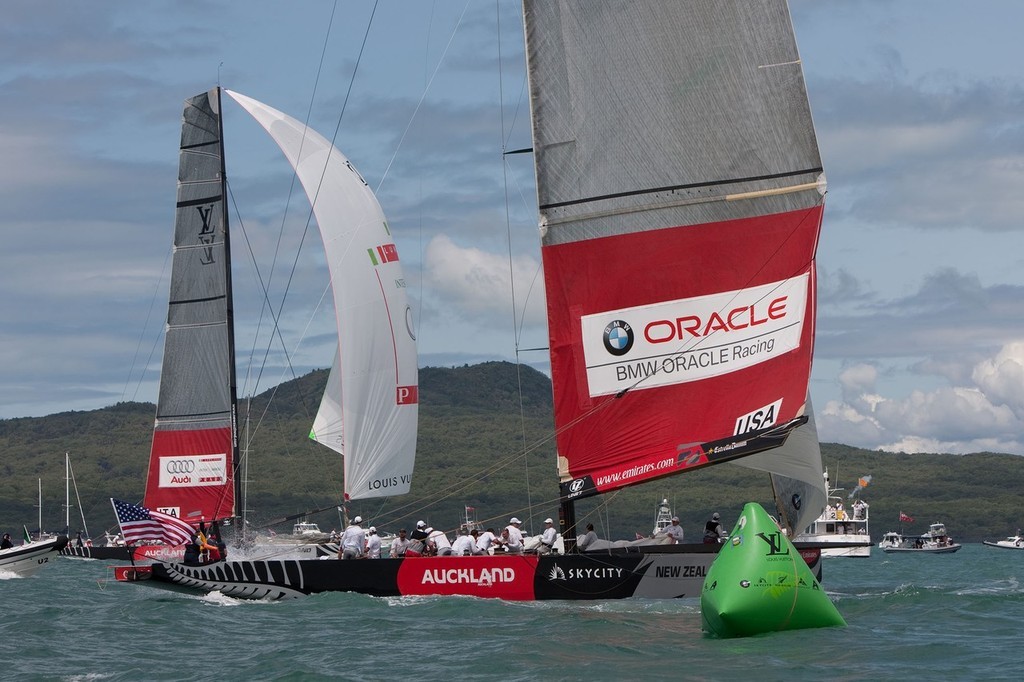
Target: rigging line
x=419 y=195
x=266 y=295
x=316 y=194
x=454 y=488
x=302 y=240
x=416 y=506
x=423 y=97
x=511 y=270
x=142 y=333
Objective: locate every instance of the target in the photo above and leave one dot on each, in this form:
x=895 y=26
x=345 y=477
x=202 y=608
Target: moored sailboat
x=680 y=194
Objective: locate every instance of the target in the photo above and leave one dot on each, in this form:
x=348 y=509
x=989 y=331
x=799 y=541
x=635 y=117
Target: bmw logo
x=618 y=337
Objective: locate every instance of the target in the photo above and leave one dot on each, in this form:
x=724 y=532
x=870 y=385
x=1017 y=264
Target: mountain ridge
x=480 y=445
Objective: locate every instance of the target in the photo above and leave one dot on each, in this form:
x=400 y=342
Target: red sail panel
x=708 y=329
x=190 y=475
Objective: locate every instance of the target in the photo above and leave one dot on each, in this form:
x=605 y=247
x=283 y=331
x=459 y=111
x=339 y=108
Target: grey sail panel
x=661 y=109
x=191 y=467
x=194 y=381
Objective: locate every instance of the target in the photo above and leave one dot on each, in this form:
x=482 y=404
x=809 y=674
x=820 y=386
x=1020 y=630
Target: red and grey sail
x=681 y=195
x=194 y=443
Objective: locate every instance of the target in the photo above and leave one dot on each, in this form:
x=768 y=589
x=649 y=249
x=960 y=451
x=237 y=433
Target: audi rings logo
x=180 y=466
x=618 y=337
x=576 y=485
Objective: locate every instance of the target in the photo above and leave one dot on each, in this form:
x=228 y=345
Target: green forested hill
x=479 y=446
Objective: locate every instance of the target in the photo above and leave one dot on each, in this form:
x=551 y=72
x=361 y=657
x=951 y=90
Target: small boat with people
x=935 y=541
x=1011 y=542
x=29 y=557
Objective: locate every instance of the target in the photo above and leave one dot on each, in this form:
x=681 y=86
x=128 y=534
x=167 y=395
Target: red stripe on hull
x=501 y=577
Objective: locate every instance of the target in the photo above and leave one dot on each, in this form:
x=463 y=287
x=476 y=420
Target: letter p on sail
x=407 y=395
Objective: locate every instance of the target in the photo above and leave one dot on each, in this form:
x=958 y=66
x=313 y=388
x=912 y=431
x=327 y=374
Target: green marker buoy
x=760 y=583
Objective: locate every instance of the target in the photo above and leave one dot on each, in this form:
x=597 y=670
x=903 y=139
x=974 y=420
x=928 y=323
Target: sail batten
x=696 y=185
x=680 y=191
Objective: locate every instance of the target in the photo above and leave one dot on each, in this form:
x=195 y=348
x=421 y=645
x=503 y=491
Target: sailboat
x=680 y=193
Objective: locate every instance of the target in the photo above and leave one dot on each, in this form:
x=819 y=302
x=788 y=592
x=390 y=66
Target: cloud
x=474 y=284
x=988 y=415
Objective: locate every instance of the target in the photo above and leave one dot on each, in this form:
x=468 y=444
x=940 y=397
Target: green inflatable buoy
x=760 y=583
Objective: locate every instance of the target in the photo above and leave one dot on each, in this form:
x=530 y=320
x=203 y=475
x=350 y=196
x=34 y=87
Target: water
x=934 y=617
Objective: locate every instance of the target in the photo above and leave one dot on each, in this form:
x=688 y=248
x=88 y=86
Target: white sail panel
x=372 y=420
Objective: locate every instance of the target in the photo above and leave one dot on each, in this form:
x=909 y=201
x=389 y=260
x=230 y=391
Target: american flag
x=138 y=523
x=904 y=517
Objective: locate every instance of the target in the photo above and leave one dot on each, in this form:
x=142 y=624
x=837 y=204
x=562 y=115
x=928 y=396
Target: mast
x=232 y=370
x=67 y=494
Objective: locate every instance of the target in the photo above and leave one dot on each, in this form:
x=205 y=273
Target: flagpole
x=131 y=550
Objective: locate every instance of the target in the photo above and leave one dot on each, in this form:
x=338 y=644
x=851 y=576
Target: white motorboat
x=1012 y=542
x=24 y=560
x=935 y=541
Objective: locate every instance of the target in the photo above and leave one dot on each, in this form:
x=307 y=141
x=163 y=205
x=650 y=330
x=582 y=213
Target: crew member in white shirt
x=485 y=541
x=674 y=531
x=515 y=537
x=548 y=537
x=464 y=545
x=372 y=543
x=399 y=545
x=440 y=541
x=353 y=540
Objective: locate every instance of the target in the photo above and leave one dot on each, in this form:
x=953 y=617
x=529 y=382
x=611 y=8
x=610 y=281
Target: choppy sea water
x=933 y=617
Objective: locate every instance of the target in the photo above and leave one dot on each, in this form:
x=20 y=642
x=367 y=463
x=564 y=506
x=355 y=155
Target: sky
x=918 y=111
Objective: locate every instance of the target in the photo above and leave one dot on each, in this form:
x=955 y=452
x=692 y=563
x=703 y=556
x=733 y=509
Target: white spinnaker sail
x=795 y=468
x=369 y=411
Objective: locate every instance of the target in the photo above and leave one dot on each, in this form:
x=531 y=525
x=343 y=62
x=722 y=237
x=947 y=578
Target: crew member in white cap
x=674 y=531
x=372 y=543
x=548 y=537
x=353 y=541
x=418 y=538
x=515 y=537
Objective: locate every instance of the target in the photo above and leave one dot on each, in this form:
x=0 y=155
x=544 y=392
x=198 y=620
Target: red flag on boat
x=904 y=517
